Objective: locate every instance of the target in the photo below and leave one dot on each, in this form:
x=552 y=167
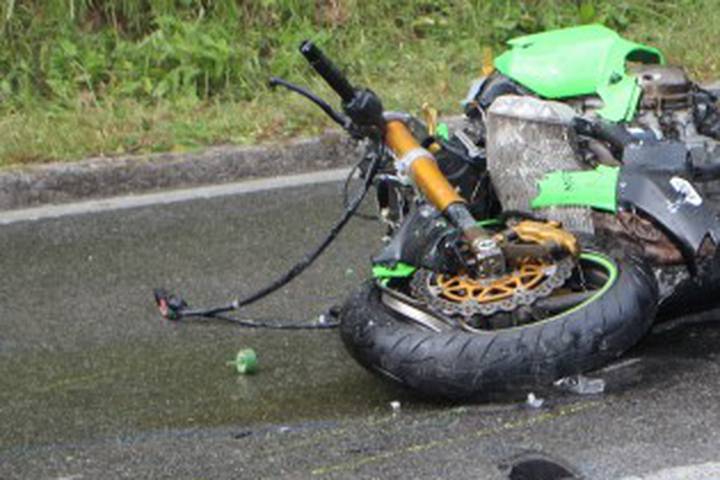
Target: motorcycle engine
x=665 y=88
x=666 y=105
x=671 y=107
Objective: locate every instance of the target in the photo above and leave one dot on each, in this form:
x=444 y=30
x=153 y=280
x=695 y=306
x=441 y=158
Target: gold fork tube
x=424 y=171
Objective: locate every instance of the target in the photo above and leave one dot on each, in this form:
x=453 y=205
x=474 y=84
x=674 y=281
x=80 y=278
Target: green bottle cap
x=245 y=361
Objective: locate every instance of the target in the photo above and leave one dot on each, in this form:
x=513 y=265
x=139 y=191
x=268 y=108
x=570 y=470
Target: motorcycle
x=533 y=244
x=543 y=238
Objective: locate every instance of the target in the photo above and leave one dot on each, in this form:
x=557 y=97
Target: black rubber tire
x=461 y=365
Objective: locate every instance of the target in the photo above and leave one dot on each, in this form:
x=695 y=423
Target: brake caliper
x=540 y=258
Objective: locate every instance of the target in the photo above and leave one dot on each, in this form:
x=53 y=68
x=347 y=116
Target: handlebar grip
x=327 y=70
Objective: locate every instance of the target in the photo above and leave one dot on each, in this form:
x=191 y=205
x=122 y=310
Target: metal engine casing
x=664 y=87
x=527 y=138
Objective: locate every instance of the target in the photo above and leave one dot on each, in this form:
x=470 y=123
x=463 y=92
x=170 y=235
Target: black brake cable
x=322 y=324
x=346 y=192
x=175 y=308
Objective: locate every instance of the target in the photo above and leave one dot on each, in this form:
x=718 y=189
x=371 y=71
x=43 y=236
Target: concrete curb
x=106 y=177
x=168 y=197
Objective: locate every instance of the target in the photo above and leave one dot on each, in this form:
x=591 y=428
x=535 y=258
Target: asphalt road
x=93 y=384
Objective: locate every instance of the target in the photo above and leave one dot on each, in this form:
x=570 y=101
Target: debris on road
x=533 y=401
x=245 y=361
x=581 y=385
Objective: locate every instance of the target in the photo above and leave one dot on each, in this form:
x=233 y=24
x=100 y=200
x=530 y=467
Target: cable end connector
x=171 y=306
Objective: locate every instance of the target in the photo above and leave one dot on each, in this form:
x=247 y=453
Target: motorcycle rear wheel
x=459 y=364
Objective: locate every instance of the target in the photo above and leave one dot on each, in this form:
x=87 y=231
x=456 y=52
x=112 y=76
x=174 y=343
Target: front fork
x=420 y=166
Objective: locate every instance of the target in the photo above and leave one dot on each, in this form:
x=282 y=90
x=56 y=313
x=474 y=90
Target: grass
x=41 y=133
x=193 y=74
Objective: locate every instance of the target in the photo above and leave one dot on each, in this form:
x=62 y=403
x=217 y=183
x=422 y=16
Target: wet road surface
x=93 y=384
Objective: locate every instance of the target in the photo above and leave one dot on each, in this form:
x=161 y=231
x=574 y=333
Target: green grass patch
x=81 y=78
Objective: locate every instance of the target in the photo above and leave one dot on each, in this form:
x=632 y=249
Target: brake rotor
x=461 y=288
x=466 y=296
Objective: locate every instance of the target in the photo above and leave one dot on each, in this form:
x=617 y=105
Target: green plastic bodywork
x=443 y=131
x=585 y=60
x=591 y=188
x=399 y=270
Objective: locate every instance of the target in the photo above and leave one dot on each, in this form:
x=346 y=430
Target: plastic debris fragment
x=533 y=401
x=581 y=385
x=245 y=361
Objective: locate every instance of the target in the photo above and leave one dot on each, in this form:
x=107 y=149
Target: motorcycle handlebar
x=327 y=70
x=365 y=109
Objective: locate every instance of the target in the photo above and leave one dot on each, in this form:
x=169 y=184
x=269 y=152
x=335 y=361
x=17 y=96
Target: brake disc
x=466 y=296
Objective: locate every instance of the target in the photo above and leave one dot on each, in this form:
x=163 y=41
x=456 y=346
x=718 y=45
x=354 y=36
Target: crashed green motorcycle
x=576 y=131
x=540 y=240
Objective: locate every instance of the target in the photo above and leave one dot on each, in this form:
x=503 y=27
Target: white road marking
x=704 y=471
x=171 y=196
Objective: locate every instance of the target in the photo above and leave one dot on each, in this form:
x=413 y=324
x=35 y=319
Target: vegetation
x=104 y=77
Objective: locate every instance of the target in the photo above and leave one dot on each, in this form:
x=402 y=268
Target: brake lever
x=336 y=116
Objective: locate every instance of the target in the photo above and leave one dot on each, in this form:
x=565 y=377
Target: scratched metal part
x=527 y=138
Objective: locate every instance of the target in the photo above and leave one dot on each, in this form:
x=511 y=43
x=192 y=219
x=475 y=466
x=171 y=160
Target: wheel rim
x=608 y=271
x=598 y=259
x=612 y=270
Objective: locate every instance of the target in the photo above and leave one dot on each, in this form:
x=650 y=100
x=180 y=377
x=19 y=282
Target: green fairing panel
x=591 y=188
x=400 y=270
x=443 y=131
x=576 y=61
